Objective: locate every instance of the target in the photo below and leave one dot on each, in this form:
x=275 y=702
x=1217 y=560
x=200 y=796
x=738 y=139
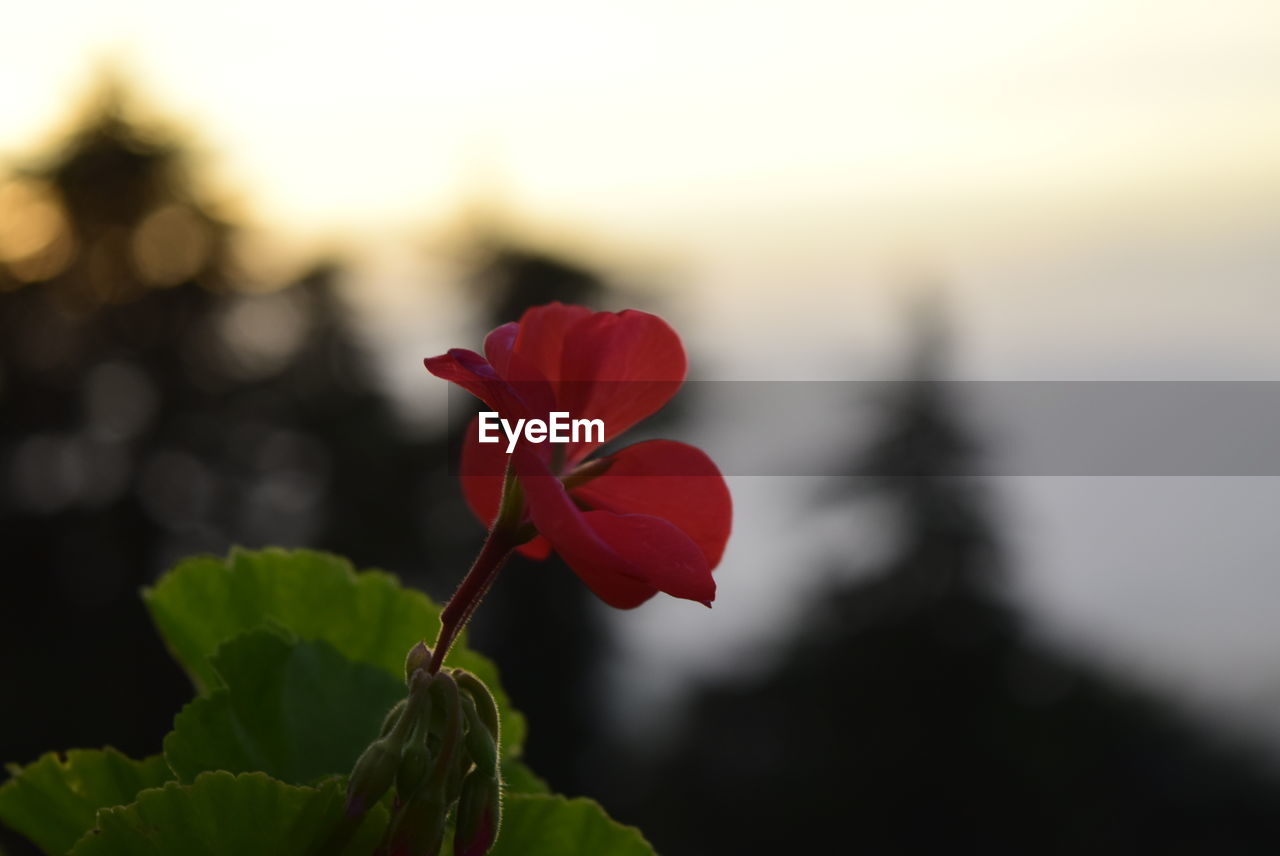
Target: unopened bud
x=480 y=743
x=415 y=764
x=479 y=815
x=485 y=705
x=419 y=657
x=417 y=710
x=418 y=827
x=372 y=775
x=453 y=783
x=448 y=699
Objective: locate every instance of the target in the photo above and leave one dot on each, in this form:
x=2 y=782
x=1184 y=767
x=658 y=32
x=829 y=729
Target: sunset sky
x=679 y=123
x=1097 y=183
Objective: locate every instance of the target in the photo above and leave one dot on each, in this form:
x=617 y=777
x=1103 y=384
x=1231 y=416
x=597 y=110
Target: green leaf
x=366 y=616
x=517 y=778
x=53 y=801
x=206 y=601
x=298 y=711
x=539 y=825
x=246 y=815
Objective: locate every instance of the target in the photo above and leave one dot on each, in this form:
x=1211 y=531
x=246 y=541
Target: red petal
x=667 y=559
x=473 y=373
x=623 y=558
x=528 y=397
x=481 y=470
x=538 y=548
x=527 y=378
x=498 y=346
x=617 y=367
x=620 y=368
x=542 y=335
x=674 y=481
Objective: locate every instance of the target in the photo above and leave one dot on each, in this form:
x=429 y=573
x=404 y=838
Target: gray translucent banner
x=1013 y=428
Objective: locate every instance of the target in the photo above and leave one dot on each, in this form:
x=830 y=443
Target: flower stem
x=502 y=539
x=474 y=585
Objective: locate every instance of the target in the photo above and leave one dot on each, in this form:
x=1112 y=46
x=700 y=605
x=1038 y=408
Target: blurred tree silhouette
x=509 y=278
x=109 y=217
x=96 y=380
x=911 y=714
x=151 y=411
x=921 y=466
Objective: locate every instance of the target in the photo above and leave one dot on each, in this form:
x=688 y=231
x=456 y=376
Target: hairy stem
x=473 y=587
x=502 y=539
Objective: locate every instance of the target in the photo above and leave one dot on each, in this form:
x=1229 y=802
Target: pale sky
x=674 y=122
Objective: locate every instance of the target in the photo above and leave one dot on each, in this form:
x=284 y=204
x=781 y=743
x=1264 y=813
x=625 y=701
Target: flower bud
x=372 y=775
x=419 y=657
x=378 y=766
x=480 y=743
x=447 y=697
x=479 y=815
x=453 y=783
x=415 y=764
x=420 y=696
x=485 y=705
x=418 y=827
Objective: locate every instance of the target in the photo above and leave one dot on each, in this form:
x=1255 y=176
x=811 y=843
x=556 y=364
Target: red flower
x=651 y=517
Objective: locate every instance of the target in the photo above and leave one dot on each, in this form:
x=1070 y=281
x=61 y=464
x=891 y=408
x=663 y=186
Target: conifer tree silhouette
x=911 y=713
